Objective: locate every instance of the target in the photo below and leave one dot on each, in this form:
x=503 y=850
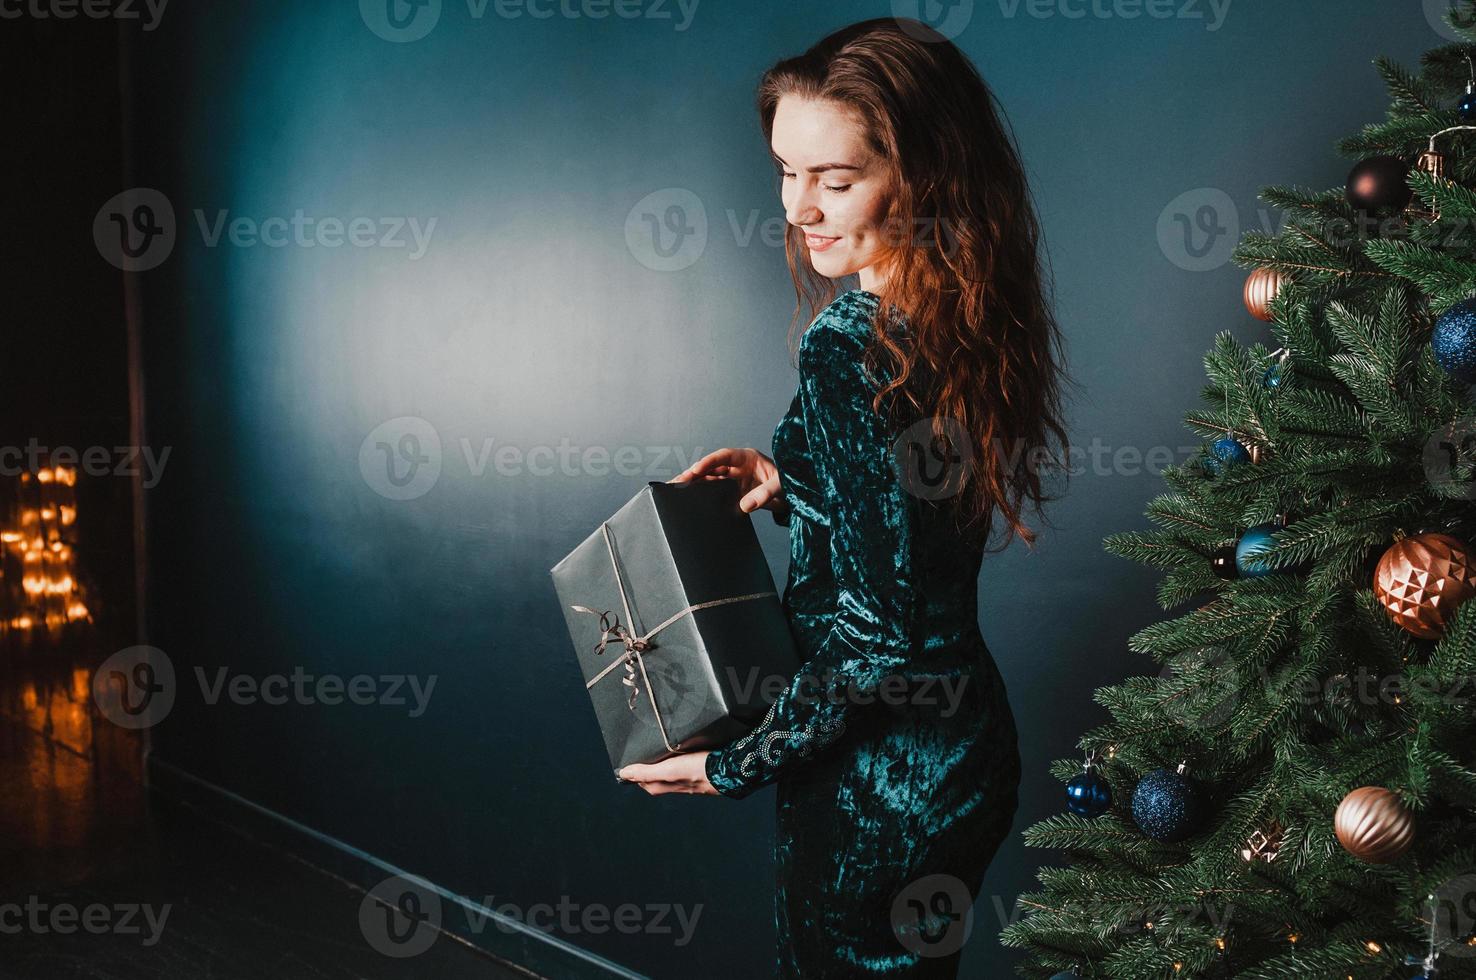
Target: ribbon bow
x=634 y=646
x=611 y=627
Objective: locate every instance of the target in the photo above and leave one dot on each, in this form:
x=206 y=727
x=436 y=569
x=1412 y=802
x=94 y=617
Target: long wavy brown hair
x=984 y=346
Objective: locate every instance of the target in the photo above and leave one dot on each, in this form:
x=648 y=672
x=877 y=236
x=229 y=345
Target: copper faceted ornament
x=1264 y=845
x=1261 y=287
x=1421 y=579
x=1373 y=825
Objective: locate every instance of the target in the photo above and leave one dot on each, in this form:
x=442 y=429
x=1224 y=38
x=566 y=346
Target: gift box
x=676 y=623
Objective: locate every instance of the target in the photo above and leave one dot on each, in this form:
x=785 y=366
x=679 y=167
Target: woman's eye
x=840 y=189
x=785 y=174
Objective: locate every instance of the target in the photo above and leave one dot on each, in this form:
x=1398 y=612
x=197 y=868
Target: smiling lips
x=819 y=243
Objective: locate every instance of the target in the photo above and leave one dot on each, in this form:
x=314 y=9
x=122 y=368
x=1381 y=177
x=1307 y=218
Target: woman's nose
x=802 y=209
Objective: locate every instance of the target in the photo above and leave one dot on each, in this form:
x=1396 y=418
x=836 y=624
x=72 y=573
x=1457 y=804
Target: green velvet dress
x=894 y=748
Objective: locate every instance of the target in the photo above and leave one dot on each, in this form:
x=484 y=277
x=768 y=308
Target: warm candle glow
x=47 y=593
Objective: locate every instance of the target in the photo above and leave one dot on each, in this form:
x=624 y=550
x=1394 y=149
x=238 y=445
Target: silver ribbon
x=634 y=646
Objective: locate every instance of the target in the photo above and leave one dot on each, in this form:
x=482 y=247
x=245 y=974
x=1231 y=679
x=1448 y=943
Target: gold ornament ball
x=1373 y=825
x=1421 y=579
x=1261 y=287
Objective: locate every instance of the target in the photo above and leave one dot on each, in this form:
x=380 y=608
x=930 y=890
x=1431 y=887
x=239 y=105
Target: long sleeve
x=873 y=524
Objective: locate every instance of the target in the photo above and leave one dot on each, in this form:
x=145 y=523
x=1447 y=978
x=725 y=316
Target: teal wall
x=539 y=313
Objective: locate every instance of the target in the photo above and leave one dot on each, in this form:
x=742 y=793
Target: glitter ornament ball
x=1088 y=795
x=1373 y=825
x=1378 y=182
x=1167 y=806
x=1421 y=579
x=1454 y=341
x=1224 y=453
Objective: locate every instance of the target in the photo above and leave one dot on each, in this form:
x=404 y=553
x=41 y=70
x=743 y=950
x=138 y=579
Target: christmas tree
x=1293 y=795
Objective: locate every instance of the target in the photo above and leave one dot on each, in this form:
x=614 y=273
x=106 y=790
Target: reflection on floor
x=100 y=878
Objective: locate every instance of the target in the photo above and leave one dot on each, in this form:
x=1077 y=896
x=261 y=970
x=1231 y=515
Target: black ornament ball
x=1379 y=182
x=1466 y=107
x=1167 y=806
x=1088 y=795
x=1454 y=341
x=1222 y=563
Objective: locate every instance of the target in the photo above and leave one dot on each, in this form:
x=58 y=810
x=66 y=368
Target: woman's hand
x=684 y=773
x=755 y=473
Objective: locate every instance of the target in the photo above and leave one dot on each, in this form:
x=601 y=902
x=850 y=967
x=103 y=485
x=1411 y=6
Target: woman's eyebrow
x=818 y=168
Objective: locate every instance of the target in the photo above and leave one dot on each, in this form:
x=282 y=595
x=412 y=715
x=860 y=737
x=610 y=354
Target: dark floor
x=87 y=854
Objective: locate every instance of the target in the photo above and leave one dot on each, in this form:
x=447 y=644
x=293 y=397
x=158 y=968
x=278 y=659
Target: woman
x=894 y=748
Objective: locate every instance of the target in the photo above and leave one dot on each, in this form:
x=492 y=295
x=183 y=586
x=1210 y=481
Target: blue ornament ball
x=1167 y=806
x=1272 y=378
x=1225 y=452
x=1066 y=976
x=1255 y=541
x=1466 y=107
x=1088 y=795
x=1454 y=341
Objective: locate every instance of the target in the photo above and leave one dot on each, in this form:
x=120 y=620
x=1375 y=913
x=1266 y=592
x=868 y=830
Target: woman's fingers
x=708 y=466
x=761 y=495
x=719 y=464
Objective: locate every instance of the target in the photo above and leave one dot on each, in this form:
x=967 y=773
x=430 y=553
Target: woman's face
x=833 y=187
